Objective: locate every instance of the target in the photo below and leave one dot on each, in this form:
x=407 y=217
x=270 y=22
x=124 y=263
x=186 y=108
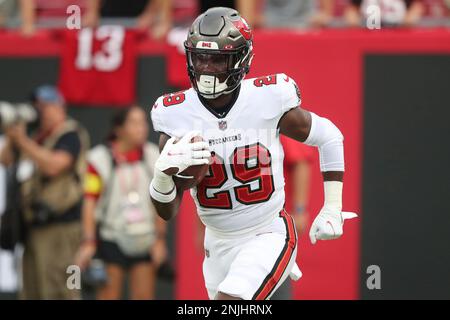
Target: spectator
x=437 y=9
x=7 y=8
x=28 y=16
x=8 y=271
x=51 y=194
x=204 y=5
x=33 y=12
x=392 y=12
x=287 y=13
x=119 y=222
x=248 y=8
x=153 y=14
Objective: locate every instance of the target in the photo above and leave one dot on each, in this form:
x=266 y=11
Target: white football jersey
x=245 y=184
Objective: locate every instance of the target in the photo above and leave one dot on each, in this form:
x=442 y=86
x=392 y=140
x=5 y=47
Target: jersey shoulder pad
x=282 y=87
x=164 y=109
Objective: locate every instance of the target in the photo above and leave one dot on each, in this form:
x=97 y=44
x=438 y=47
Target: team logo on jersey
x=222 y=125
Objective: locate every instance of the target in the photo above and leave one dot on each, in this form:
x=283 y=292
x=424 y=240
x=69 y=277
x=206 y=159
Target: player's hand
x=84 y=255
x=179 y=155
x=329 y=224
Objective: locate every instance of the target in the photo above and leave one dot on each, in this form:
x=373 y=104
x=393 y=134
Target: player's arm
x=297 y=123
x=50 y=162
x=175 y=156
x=313 y=130
x=166 y=210
x=28 y=15
x=92 y=13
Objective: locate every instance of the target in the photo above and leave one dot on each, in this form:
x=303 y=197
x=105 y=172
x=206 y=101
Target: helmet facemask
x=216 y=72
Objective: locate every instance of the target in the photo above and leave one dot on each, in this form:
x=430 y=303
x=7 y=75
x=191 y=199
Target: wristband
x=333 y=194
x=162 y=197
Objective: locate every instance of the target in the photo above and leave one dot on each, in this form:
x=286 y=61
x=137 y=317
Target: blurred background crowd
x=77 y=152
x=160 y=16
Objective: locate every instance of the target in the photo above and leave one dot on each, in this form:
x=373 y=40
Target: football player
x=250 y=241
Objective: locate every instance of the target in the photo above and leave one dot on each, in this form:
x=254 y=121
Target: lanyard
x=129 y=189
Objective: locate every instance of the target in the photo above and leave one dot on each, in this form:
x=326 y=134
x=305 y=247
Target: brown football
x=193 y=175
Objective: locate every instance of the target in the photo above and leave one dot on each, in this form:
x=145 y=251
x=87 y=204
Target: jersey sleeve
x=289 y=92
x=162 y=116
x=170 y=115
x=280 y=94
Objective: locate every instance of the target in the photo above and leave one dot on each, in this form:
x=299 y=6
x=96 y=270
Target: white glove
x=329 y=224
x=176 y=157
x=183 y=154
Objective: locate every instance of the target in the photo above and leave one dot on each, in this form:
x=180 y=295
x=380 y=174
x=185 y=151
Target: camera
x=14 y=113
x=42 y=214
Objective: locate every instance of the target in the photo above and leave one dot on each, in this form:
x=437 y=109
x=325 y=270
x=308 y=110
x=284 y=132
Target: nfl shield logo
x=222 y=125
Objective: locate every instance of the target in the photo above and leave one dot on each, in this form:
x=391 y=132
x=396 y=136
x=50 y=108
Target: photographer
x=52 y=164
